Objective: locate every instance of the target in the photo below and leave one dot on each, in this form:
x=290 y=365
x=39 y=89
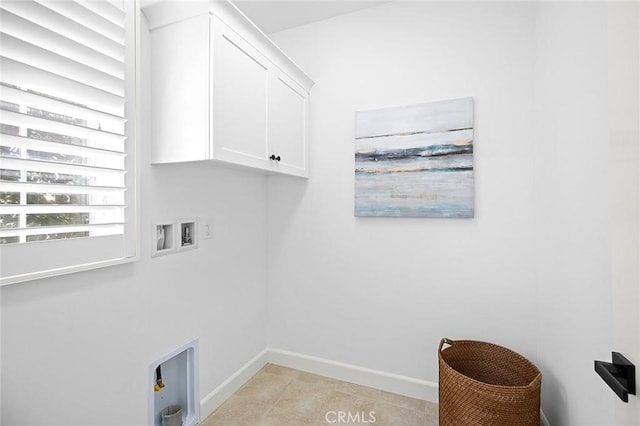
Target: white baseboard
x=215 y=398
x=395 y=383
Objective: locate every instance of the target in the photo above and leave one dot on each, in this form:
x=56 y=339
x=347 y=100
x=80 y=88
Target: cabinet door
x=239 y=99
x=288 y=125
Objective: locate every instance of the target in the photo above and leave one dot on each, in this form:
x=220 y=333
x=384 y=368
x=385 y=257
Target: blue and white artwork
x=415 y=160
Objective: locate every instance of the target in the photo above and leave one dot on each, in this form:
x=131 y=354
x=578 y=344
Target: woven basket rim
x=532 y=383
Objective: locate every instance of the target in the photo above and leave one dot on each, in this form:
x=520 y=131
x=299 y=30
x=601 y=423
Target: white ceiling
x=272 y=16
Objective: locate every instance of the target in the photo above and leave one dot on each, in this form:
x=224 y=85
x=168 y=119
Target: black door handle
x=620 y=375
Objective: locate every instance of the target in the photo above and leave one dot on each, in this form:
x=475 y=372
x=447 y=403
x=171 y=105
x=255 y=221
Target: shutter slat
x=118 y=4
x=64 y=153
x=30 y=54
x=87 y=18
x=65 y=26
x=95 y=119
x=108 y=11
x=103 y=176
x=58 y=147
x=93 y=138
x=114 y=227
x=32 y=78
x=61 y=188
x=33 y=33
x=59 y=208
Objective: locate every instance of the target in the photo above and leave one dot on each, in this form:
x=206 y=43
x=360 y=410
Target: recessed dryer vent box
x=162 y=239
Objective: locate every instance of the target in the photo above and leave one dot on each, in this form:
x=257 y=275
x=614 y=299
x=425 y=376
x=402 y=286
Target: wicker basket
x=486 y=384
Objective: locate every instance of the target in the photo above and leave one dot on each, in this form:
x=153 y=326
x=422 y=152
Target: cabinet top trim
x=172 y=11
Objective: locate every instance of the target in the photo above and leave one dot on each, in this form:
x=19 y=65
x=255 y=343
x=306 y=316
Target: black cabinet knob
x=274 y=158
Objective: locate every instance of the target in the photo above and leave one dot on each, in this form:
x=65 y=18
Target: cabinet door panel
x=239 y=99
x=179 y=95
x=288 y=134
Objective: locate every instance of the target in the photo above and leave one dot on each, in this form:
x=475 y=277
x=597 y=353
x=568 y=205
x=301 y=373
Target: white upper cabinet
x=223 y=92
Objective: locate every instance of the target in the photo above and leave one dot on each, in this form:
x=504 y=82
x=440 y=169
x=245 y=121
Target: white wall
x=531 y=271
x=624 y=160
x=381 y=292
x=574 y=286
x=76 y=349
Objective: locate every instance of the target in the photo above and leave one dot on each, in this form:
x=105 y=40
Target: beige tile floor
x=278 y=396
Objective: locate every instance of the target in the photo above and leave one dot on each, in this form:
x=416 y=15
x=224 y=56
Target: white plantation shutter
x=66 y=142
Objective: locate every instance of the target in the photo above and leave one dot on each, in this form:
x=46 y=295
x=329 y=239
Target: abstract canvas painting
x=415 y=160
